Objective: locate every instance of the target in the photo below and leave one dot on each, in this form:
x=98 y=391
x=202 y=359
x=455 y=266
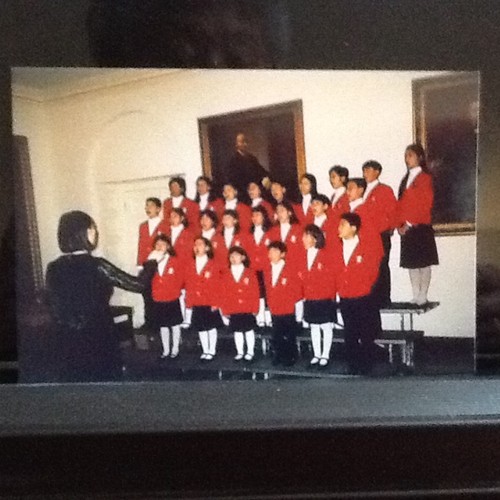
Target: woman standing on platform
x=414 y=213
x=79 y=288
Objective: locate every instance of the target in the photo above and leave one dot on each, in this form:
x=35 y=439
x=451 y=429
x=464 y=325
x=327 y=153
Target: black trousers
x=284 y=339
x=382 y=287
x=362 y=325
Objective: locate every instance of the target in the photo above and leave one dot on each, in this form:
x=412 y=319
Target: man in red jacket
x=357 y=271
x=379 y=199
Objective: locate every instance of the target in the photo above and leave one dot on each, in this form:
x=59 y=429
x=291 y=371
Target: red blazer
x=257 y=252
x=304 y=218
x=240 y=239
x=369 y=230
x=330 y=229
x=382 y=203
x=281 y=297
x=357 y=278
x=318 y=283
x=183 y=245
x=191 y=210
x=220 y=250
x=239 y=297
x=341 y=207
x=415 y=203
x=145 y=244
x=167 y=286
x=244 y=215
x=293 y=241
x=203 y=289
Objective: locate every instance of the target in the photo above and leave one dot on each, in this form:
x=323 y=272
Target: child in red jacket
x=177 y=186
x=413 y=219
x=240 y=302
x=166 y=287
x=202 y=289
x=283 y=289
x=339 y=201
x=318 y=288
x=357 y=271
x=308 y=189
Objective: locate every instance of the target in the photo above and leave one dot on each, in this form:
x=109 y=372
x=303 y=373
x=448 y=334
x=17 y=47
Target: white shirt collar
x=284 y=229
x=162 y=264
x=349 y=245
x=276 y=271
x=153 y=224
x=355 y=204
x=208 y=234
x=306 y=201
x=311 y=256
x=338 y=193
x=231 y=204
x=258 y=233
x=413 y=173
x=177 y=200
x=201 y=262
x=175 y=231
x=256 y=202
x=320 y=220
x=228 y=233
x=370 y=187
x=237 y=271
x=203 y=201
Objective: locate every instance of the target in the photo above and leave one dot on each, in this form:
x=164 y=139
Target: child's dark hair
x=340 y=171
x=279 y=245
x=234 y=214
x=182 y=215
x=208 y=244
x=154 y=200
x=241 y=251
x=266 y=223
x=372 y=164
x=359 y=181
x=180 y=181
x=211 y=194
x=420 y=152
x=321 y=198
x=211 y=215
x=317 y=234
x=286 y=204
x=168 y=241
x=314 y=184
x=353 y=219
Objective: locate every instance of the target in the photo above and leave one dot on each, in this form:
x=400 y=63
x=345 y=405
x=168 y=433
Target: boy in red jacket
x=283 y=291
x=357 y=271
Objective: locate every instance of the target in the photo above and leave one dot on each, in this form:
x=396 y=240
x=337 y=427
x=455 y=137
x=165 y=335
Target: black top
x=242 y=170
x=79 y=289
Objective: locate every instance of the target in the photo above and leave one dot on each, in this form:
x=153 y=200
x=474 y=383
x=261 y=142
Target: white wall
x=146 y=127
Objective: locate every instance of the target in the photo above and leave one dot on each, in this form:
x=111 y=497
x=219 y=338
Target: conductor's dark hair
x=317 y=234
x=353 y=219
x=291 y=211
x=314 y=184
x=208 y=244
x=72 y=232
x=279 y=245
x=359 y=181
x=180 y=181
x=266 y=223
x=242 y=252
x=340 y=171
x=182 y=215
x=322 y=198
x=168 y=241
x=211 y=215
x=211 y=194
x=154 y=200
x=420 y=152
x=373 y=164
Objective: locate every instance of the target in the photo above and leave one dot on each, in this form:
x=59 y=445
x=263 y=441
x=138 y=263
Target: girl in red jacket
x=206 y=198
x=318 y=288
x=177 y=186
x=256 y=199
x=257 y=250
x=339 y=201
x=208 y=224
x=231 y=202
x=308 y=189
x=283 y=289
x=232 y=234
x=240 y=302
x=166 y=287
x=414 y=211
x=202 y=288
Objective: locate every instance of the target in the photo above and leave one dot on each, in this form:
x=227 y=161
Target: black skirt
x=418 y=247
x=203 y=318
x=242 y=322
x=318 y=312
x=166 y=314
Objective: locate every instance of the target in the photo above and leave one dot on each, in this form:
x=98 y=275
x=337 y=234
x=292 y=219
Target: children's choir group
x=282 y=264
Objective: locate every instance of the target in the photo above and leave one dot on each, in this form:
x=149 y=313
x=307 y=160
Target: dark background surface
x=432 y=455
